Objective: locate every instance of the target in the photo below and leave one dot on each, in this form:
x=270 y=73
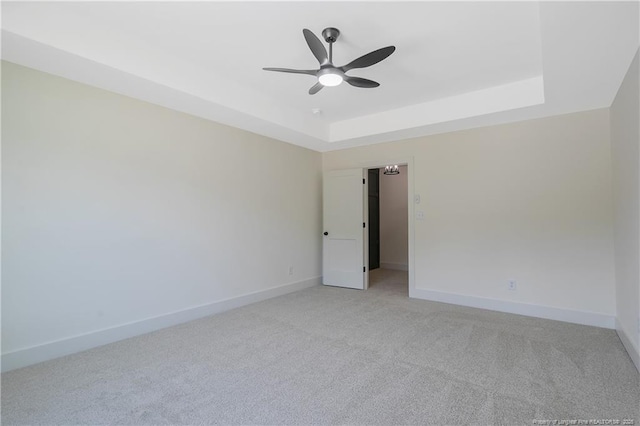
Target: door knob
x=326 y=233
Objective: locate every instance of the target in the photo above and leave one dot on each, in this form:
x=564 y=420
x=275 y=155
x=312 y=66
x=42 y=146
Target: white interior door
x=343 y=241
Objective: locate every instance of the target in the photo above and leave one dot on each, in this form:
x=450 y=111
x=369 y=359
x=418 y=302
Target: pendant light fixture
x=392 y=170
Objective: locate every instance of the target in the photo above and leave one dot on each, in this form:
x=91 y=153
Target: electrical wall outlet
x=290 y=270
x=511 y=285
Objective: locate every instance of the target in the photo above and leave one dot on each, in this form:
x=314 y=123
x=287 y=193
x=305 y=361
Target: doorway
x=345 y=247
x=388 y=233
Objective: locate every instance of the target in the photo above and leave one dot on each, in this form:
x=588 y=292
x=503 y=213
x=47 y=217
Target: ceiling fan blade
x=316 y=46
x=310 y=72
x=369 y=59
x=361 y=82
x=315 y=88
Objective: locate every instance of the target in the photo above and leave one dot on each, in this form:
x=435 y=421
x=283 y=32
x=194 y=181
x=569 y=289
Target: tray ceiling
x=457 y=64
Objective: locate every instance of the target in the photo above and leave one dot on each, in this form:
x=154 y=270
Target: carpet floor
x=335 y=356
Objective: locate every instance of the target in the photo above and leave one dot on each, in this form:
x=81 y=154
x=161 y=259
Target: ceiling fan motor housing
x=330 y=34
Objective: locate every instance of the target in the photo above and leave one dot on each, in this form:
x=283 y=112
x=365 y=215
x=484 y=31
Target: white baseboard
x=394 y=266
x=35 y=354
x=538 y=311
x=634 y=353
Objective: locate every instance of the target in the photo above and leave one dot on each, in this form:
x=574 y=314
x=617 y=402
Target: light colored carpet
x=334 y=356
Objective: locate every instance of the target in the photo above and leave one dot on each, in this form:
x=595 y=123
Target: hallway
x=389 y=280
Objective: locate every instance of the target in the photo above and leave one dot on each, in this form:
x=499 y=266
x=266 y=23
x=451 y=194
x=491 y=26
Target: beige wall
x=529 y=201
x=625 y=136
x=117 y=211
x=394 y=220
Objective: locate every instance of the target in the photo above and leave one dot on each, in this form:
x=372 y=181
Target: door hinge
x=364 y=269
x=363 y=181
x=363 y=225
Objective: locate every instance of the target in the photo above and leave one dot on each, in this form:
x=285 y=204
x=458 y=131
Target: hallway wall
x=394 y=237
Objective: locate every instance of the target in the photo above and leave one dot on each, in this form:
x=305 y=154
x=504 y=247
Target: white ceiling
x=457 y=64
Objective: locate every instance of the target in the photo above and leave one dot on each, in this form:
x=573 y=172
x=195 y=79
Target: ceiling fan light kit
x=330 y=78
x=328 y=74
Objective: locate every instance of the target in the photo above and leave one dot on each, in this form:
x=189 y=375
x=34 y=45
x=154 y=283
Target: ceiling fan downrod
x=330 y=35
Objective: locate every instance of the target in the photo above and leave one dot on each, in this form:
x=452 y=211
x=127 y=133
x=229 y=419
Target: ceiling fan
x=329 y=74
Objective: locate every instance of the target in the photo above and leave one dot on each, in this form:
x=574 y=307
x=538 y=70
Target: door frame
x=368 y=219
x=379 y=163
